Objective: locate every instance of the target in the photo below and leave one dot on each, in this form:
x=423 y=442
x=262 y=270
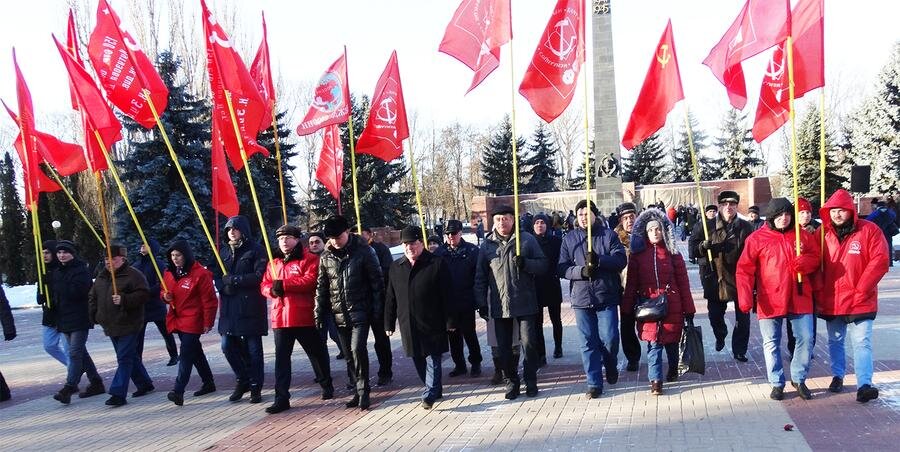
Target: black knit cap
x=712 y=207
x=335 y=226
x=777 y=207
x=67 y=245
x=583 y=203
x=754 y=209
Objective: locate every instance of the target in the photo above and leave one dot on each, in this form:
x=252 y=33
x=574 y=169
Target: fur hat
x=728 y=196
x=335 y=226
x=290 y=230
x=411 y=234
x=639 y=231
x=503 y=209
x=626 y=207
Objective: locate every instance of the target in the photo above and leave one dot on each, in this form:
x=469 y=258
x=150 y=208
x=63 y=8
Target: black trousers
x=166 y=335
x=529 y=339
x=465 y=332
x=740 y=338
x=631 y=346
x=353 y=343
x=4 y=388
x=315 y=350
x=555 y=312
x=382 y=348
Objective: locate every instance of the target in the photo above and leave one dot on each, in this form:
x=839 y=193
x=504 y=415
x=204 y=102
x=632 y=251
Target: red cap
x=803 y=204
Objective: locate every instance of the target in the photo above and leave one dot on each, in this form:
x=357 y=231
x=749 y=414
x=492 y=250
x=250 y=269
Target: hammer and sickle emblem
x=663 y=56
x=386 y=113
x=565 y=46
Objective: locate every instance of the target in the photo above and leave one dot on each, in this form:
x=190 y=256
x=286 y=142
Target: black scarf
x=843 y=230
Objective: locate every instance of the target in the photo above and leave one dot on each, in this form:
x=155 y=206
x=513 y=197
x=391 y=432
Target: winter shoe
x=531 y=389
x=205 y=389
x=176 y=398
x=512 y=390
x=239 y=392
x=384 y=380
x=633 y=366
x=593 y=393
x=802 y=390
x=364 y=401
x=64 y=395
x=866 y=393
x=557 y=352
x=656 y=388
x=327 y=392
x=427 y=404
x=777 y=393
x=837 y=385
x=740 y=357
x=143 y=391
x=255 y=394
x=720 y=344
x=475 y=372
x=95 y=388
x=278 y=406
x=116 y=401
x=672 y=375
x=457 y=371
x=612 y=375
x=172 y=361
x=497 y=378
x=354 y=402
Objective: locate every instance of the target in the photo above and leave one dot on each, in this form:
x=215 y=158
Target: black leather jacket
x=350 y=284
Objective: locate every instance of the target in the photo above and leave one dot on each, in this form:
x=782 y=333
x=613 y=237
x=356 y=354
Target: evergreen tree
x=13 y=231
x=682 y=166
x=736 y=146
x=577 y=182
x=154 y=186
x=711 y=167
x=541 y=162
x=646 y=164
x=808 y=168
x=496 y=161
x=377 y=183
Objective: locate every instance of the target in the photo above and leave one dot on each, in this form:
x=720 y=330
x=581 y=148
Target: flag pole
x=822 y=165
x=75 y=204
x=353 y=173
x=105 y=225
x=184 y=181
x=240 y=141
x=278 y=160
x=696 y=171
x=415 y=181
x=588 y=174
x=515 y=162
x=789 y=44
x=39 y=266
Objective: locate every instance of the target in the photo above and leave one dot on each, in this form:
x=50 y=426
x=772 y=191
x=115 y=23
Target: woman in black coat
x=547 y=286
x=415 y=296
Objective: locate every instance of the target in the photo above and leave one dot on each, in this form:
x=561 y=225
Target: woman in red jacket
x=192 y=311
x=769 y=264
x=291 y=292
x=656 y=267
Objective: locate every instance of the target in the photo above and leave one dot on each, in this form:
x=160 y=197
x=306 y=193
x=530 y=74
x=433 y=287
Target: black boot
x=354 y=402
x=95 y=388
x=364 y=401
x=327 y=391
x=239 y=392
x=64 y=395
x=176 y=397
x=512 y=389
x=205 y=389
x=278 y=406
x=255 y=394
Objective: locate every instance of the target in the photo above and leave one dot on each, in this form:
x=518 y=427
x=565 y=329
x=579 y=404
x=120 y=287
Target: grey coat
x=500 y=285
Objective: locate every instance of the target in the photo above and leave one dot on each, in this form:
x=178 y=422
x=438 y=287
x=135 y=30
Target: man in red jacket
x=291 y=293
x=770 y=264
x=855 y=260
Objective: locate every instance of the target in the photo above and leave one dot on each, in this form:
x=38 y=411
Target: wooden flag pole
x=515 y=162
x=75 y=205
x=690 y=134
x=789 y=45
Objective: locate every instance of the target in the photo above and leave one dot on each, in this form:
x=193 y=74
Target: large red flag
x=224 y=196
x=331 y=100
x=124 y=70
x=809 y=69
x=330 y=171
x=72 y=48
x=661 y=90
x=550 y=81
x=760 y=25
x=227 y=73
x=261 y=73
x=98 y=119
x=475 y=34
x=387 y=127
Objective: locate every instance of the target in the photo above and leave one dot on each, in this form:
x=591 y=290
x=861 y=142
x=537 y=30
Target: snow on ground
x=21 y=296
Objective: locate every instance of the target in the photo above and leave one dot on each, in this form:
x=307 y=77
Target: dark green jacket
x=127 y=317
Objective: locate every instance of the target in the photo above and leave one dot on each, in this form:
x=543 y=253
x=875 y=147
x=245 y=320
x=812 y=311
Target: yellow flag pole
x=39 y=267
x=75 y=205
x=696 y=171
x=278 y=160
x=515 y=162
x=789 y=44
x=353 y=174
x=237 y=134
x=415 y=181
x=822 y=165
x=588 y=174
x=187 y=187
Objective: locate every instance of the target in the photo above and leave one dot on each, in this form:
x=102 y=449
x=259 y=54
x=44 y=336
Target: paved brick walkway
x=726 y=409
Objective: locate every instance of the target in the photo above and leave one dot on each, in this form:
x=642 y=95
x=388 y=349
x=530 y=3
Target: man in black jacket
x=415 y=295
x=350 y=285
x=54 y=343
x=243 y=312
x=462 y=259
x=382 y=343
x=9 y=333
x=154 y=308
x=548 y=288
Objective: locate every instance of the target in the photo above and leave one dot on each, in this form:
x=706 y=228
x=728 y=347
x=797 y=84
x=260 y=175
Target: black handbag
x=653 y=309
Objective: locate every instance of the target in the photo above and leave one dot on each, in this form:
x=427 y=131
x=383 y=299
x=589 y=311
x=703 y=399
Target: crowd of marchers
x=627 y=282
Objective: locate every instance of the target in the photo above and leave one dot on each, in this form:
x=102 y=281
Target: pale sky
x=306 y=36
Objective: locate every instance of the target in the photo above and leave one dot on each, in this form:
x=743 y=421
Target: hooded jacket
x=243 y=309
x=297 y=271
x=499 y=284
x=605 y=289
x=127 y=317
x=154 y=308
x=194 y=304
x=69 y=286
x=350 y=284
x=853 y=266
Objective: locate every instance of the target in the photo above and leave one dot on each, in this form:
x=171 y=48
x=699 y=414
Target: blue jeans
x=80 y=361
x=245 y=356
x=861 y=339
x=55 y=345
x=599 y=330
x=770 y=329
x=129 y=367
x=429 y=369
x=654 y=359
x=191 y=356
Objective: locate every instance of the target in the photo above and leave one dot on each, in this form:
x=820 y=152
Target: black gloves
x=229 y=284
x=520 y=262
x=590 y=265
x=277 y=289
x=483 y=313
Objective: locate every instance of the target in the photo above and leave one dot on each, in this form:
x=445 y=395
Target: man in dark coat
x=382 y=343
x=549 y=291
x=54 y=343
x=154 y=308
x=461 y=258
x=631 y=346
x=350 y=285
x=69 y=286
x=727 y=234
x=755 y=220
x=886 y=220
x=243 y=312
x=415 y=296
x=9 y=333
x=117 y=305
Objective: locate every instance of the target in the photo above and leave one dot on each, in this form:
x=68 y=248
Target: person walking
x=350 y=285
x=807 y=223
x=769 y=266
x=415 y=296
x=382 y=343
x=855 y=261
x=54 y=342
x=462 y=259
x=316 y=245
x=505 y=291
x=192 y=302
x=154 y=308
x=655 y=269
x=117 y=304
x=886 y=220
x=549 y=290
x=627 y=213
x=595 y=295
x=243 y=309
x=9 y=333
x=289 y=282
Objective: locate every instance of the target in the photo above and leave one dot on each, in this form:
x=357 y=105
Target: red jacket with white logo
x=193 y=308
x=853 y=266
x=768 y=264
x=298 y=273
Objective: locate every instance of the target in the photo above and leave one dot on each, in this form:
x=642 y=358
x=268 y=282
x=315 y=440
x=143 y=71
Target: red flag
x=97 y=117
x=261 y=73
x=661 y=90
x=387 y=127
x=550 y=81
x=760 y=25
x=72 y=48
x=331 y=100
x=227 y=73
x=330 y=170
x=475 y=34
x=224 y=196
x=809 y=69
x=124 y=70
